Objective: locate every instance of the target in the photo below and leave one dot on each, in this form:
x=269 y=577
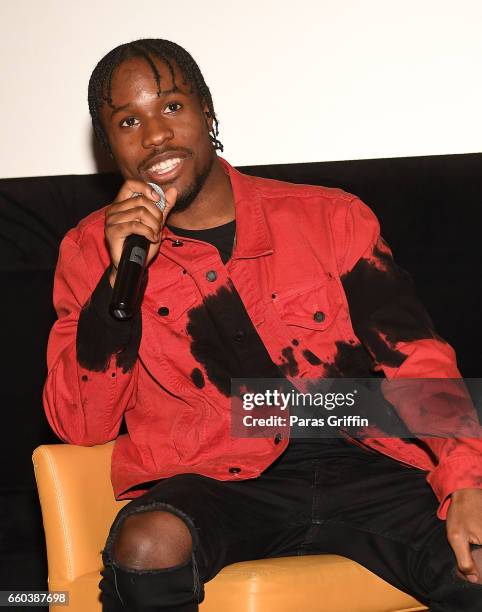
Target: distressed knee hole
x=152 y=540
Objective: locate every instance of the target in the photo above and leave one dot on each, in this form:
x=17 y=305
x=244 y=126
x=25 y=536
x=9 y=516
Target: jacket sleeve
x=397 y=332
x=91 y=357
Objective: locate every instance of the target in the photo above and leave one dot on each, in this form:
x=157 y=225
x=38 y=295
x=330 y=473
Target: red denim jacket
x=300 y=251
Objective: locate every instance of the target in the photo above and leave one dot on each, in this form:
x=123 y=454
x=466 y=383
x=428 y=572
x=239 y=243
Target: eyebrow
x=164 y=92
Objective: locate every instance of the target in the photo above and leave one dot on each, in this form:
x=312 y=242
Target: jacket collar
x=252 y=233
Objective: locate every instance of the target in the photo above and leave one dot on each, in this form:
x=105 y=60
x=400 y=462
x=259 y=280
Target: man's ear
x=208 y=116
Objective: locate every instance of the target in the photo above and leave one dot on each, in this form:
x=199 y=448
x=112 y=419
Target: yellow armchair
x=78 y=507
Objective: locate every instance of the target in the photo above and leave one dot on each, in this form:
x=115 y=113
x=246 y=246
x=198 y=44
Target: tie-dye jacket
x=323 y=293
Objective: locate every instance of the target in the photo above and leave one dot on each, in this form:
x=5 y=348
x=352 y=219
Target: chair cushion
x=318 y=583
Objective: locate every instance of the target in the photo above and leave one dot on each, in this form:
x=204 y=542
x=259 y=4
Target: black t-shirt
x=222 y=237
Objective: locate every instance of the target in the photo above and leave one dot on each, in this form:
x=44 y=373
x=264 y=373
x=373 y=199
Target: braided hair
x=100 y=83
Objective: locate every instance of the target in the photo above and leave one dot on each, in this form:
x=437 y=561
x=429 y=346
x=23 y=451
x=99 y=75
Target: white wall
x=291 y=81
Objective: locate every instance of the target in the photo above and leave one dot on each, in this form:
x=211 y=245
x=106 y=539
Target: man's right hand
x=130 y=214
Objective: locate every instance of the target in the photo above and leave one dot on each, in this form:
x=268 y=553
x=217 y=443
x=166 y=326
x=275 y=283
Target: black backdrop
x=430 y=210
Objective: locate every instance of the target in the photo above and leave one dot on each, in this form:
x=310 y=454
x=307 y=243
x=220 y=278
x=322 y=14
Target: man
x=249 y=279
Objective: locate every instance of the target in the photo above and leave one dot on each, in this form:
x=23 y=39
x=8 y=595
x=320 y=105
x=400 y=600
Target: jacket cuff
x=462 y=472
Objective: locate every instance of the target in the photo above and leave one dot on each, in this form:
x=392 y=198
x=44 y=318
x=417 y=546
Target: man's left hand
x=464 y=527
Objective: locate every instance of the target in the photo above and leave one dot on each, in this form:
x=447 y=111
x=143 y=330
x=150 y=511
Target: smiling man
x=246 y=278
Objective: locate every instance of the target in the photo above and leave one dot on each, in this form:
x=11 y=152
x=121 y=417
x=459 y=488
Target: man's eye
x=172 y=107
x=129 y=122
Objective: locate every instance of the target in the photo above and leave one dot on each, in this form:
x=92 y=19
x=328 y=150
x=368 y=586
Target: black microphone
x=131 y=268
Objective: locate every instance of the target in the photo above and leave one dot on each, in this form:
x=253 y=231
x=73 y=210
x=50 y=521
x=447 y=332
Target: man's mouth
x=165 y=168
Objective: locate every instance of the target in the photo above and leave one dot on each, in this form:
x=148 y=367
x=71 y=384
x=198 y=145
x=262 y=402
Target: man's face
x=163 y=138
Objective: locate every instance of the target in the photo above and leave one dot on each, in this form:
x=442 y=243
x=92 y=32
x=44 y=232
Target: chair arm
x=78 y=506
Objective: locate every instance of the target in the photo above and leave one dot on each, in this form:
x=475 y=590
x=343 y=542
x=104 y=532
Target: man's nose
x=156 y=132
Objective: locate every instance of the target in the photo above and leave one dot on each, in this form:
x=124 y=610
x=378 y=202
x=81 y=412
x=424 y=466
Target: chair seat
x=318 y=583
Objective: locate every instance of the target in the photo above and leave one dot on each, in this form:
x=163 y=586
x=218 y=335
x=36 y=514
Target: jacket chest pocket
x=315 y=307
x=168 y=304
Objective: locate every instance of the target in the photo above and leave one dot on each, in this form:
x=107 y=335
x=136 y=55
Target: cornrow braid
x=100 y=83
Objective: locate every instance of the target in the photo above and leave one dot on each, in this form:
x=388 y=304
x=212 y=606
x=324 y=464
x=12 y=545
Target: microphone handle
x=129 y=276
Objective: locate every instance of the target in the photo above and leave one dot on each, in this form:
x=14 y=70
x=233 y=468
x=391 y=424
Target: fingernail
x=472 y=578
x=154 y=194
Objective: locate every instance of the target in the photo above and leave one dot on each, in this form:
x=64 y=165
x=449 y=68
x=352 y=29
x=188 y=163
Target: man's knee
x=152 y=540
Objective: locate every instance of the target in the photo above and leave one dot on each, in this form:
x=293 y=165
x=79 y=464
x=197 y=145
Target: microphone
x=131 y=269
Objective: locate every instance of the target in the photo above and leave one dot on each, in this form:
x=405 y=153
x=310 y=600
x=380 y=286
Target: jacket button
x=234 y=470
x=319 y=316
x=277 y=439
x=163 y=311
x=239 y=335
x=211 y=276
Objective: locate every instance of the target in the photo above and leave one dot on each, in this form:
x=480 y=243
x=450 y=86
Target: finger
x=132 y=187
x=465 y=562
x=149 y=214
x=120 y=231
x=134 y=202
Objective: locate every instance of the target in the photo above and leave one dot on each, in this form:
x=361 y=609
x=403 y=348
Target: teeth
x=164 y=166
